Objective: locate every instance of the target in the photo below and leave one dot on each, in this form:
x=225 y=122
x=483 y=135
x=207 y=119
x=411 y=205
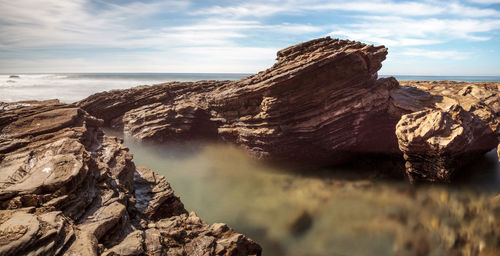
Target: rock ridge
x=262 y=112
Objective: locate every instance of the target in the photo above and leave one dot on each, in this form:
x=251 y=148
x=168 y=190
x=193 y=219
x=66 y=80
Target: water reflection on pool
x=313 y=212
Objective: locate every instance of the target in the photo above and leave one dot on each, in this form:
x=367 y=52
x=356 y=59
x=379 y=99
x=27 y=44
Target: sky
x=431 y=37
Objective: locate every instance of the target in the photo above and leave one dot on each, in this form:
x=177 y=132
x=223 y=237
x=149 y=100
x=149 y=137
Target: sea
x=341 y=210
x=73 y=87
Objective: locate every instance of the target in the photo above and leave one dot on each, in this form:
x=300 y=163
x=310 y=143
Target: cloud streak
x=440 y=55
x=405 y=8
x=485 y=1
x=185 y=31
x=399 y=31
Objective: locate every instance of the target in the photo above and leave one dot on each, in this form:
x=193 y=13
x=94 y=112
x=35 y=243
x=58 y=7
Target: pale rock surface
x=66 y=189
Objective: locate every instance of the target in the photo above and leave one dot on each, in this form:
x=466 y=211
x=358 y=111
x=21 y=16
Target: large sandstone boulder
x=320 y=103
x=455 y=124
x=435 y=142
x=65 y=188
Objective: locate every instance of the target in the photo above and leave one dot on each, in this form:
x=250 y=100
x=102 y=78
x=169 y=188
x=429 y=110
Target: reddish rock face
x=320 y=103
x=65 y=188
x=436 y=142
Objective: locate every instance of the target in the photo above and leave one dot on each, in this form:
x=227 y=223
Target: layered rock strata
x=461 y=124
x=66 y=189
x=320 y=103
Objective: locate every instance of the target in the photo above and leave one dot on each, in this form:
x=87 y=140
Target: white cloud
x=402 y=8
x=384 y=37
x=256 y=9
x=391 y=23
x=439 y=55
x=398 y=31
x=214 y=39
x=485 y=1
x=59 y=22
x=75 y=23
x=213 y=59
x=407 y=8
x=239 y=26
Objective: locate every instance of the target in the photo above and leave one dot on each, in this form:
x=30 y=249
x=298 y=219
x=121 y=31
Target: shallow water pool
x=323 y=211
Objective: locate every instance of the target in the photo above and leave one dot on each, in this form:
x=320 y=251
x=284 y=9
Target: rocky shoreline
x=68 y=189
x=321 y=103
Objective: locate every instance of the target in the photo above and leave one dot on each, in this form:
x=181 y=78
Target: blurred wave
x=76 y=86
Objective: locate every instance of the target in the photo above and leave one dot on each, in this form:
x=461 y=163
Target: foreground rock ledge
x=320 y=103
x=66 y=189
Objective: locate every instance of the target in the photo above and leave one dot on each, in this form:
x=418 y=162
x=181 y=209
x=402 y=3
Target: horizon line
x=235 y=73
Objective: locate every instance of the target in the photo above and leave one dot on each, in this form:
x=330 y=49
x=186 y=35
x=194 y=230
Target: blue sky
x=424 y=37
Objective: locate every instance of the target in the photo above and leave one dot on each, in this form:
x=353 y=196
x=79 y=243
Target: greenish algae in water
x=329 y=212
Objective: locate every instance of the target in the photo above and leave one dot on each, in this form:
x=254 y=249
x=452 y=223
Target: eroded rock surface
x=66 y=189
x=320 y=103
x=453 y=124
x=436 y=142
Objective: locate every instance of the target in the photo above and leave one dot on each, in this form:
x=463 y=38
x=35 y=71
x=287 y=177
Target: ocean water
x=74 y=87
x=343 y=210
x=70 y=88
x=350 y=211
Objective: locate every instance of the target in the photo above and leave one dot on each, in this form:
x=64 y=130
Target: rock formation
x=436 y=142
x=461 y=124
x=320 y=103
x=66 y=189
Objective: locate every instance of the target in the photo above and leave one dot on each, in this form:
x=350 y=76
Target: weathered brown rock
x=455 y=123
x=155 y=198
x=65 y=188
x=436 y=142
x=320 y=103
